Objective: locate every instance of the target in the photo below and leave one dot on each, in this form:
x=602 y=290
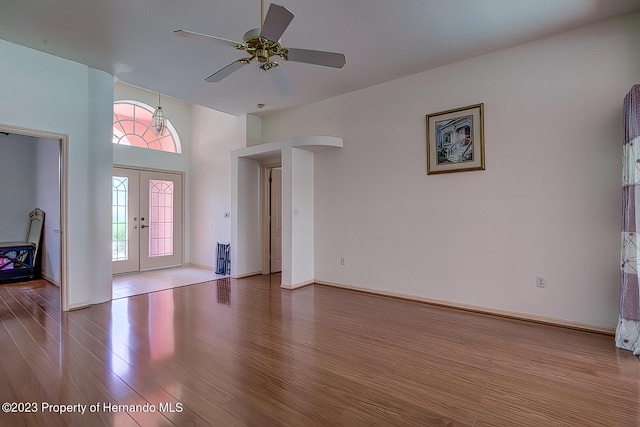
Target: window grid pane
x=132 y=126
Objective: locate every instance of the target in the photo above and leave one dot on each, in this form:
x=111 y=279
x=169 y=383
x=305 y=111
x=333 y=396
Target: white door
x=147 y=220
x=275 y=214
x=160 y=220
x=125 y=239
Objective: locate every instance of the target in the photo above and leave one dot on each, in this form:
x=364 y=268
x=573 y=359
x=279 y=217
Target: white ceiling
x=382 y=40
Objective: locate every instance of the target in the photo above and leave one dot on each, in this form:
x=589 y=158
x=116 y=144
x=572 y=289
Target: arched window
x=132 y=126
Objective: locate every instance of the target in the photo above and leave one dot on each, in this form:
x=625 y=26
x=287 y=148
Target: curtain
x=628 y=330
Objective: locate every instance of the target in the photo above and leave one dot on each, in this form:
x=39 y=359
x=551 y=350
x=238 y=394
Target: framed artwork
x=455 y=140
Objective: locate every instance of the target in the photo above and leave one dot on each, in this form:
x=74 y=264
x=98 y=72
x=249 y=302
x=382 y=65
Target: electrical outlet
x=343 y=260
x=540 y=282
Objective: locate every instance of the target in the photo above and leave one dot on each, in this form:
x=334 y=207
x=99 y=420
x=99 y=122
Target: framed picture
x=455 y=140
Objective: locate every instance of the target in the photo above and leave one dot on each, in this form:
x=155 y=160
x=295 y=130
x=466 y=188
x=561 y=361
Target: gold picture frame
x=455 y=140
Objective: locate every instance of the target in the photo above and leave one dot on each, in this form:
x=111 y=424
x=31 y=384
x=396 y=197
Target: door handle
x=145 y=226
x=134 y=227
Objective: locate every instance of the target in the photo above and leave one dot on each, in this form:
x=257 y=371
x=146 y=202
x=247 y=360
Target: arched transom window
x=132 y=126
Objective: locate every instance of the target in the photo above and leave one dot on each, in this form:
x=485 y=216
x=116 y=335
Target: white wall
x=17 y=183
x=253 y=130
x=47 y=93
x=214 y=134
x=246 y=235
x=47 y=194
x=297 y=217
x=547 y=205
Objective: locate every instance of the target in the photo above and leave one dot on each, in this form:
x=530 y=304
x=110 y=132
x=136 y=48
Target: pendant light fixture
x=158 y=120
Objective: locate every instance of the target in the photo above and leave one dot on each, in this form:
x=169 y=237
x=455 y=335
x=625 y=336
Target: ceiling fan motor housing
x=260 y=47
x=251 y=35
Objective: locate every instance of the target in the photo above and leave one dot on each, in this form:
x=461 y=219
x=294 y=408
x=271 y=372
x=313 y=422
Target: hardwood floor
x=245 y=352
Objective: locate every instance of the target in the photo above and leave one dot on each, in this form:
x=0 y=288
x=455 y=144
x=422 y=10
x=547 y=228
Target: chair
x=22 y=260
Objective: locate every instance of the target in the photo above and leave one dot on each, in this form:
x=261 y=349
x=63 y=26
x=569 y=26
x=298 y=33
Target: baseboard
x=298 y=285
x=479 y=309
x=201 y=266
x=81 y=306
x=240 y=276
x=50 y=280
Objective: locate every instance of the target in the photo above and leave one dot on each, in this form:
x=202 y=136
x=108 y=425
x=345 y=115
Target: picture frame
x=455 y=140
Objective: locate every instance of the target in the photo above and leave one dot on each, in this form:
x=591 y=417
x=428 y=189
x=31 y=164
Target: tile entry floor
x=126 y=285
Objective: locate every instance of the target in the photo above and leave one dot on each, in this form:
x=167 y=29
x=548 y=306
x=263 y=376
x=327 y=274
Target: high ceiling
x=382 y=40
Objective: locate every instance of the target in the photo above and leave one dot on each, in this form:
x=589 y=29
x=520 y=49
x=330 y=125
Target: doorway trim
x=64 y=202
x=266 y=221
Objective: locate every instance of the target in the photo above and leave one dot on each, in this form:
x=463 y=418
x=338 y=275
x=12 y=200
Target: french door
x=146 y=220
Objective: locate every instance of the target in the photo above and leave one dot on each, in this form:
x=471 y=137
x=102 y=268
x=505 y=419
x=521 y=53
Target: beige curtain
x=628 y=330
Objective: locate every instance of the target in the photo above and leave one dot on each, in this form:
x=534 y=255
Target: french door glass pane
x=160 y=217
x=119 y=215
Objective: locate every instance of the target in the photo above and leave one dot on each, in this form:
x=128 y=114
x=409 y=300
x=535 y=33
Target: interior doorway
x=275 y=215
x=147 y=221
x=48 y=170
x=272 y=219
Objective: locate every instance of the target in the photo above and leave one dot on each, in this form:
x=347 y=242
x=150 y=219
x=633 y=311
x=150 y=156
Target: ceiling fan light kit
x=264 y=43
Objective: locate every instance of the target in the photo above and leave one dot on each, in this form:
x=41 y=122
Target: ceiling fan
x=264 y=43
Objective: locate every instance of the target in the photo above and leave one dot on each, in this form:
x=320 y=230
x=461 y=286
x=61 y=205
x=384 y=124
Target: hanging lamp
x=158 y=120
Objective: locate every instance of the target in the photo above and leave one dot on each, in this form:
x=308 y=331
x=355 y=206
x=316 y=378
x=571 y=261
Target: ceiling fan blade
x=317 y=57
x=282 y=81
x=277 y=20
x=199 y=36
x=224 y=72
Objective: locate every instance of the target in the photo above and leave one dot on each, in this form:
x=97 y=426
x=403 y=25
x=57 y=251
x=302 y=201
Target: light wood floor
x=245 y=352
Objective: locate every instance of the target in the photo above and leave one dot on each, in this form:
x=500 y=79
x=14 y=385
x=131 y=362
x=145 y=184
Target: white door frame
x=63 y=141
